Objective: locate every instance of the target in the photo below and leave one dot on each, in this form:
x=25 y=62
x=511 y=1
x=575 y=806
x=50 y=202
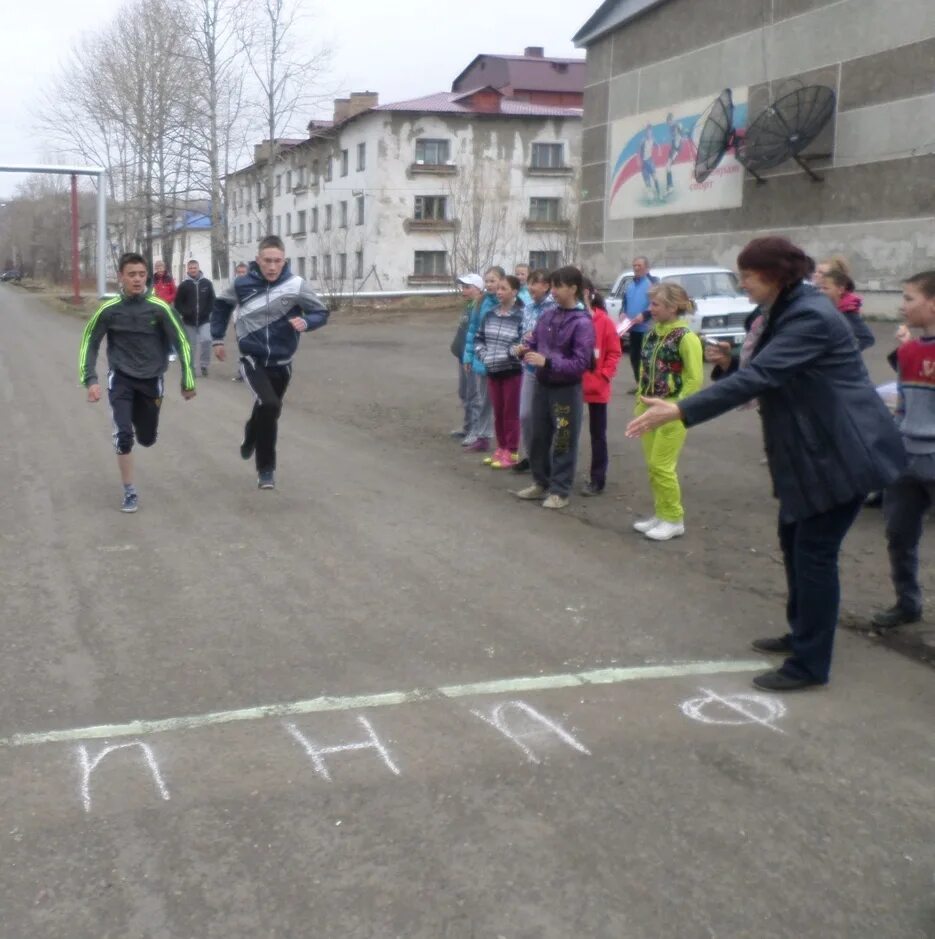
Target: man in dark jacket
x=829 y=441
x=194 y=301
x=273 y=307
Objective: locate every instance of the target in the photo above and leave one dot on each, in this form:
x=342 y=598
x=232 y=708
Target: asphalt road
x=649 y=801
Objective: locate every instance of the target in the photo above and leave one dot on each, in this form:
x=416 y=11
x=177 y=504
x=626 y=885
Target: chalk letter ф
x=316 y=753
x=88 y=765
x=531 y=725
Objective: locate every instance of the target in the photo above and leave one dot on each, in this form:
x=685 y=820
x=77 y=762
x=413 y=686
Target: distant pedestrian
x=671 y=370
x=194 y=301
x=274 y=306
x=481 y=430
x=839 y=289
x=164 y=289
x=561 y=350
x=239 y=271
x=521 y=273
x=596 y=385
x=636 y=307
x=472 y=289
x=497 y=336
x=139 y=327
x=829 y=441
x=907 y=501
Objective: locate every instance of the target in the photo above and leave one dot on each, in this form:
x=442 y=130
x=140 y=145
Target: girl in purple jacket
x=561 y=350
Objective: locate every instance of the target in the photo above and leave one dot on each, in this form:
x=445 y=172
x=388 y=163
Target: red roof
x=450 y=102
x=526 y=73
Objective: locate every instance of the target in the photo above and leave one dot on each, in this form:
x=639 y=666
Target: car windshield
x=707 y=284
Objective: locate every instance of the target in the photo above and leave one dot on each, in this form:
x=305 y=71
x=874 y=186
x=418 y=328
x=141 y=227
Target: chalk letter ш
x=317 y=753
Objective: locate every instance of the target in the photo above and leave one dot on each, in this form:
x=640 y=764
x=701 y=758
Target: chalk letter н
x=88 y=765
x=531 y=725
x=316 y=753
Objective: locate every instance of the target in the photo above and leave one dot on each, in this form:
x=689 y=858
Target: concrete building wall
x=488 y=187
x=877 y=201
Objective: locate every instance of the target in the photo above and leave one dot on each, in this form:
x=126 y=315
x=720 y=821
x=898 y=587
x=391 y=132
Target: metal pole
x=75 y=272
x=102 y=246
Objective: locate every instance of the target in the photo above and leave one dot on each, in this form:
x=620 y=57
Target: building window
x=329 y=169
x=314 y=225
x=432 y=152
x=278 y=189
x=359 y=264
x=300 y=264
x=326 y=266
x=249 y=231
x=548 y=156
x=361 y=157
x=430 y=208
x=313 y=268
x=241 y=235
x=288 y=223
x=342 y=214
x=344 y=162
x=328 y=214
x=300 y=223
x=315 y=171
x=543 y=210
x=342 y=266
x=300 y=173
x=277 y=225
x=545 y=260
x=233 y=234
x=430 y=263
x=289 y=181
x=360 y=210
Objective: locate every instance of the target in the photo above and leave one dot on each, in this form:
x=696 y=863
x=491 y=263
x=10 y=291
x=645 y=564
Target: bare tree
x=287 y=74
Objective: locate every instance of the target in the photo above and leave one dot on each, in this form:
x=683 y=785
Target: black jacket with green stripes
x=140 y=332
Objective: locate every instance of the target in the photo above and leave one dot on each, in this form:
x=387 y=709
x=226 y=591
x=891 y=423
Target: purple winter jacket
x=566 y=339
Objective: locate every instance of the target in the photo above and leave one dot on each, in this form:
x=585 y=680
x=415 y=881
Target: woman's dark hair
x=925 y=282
x=597 y=299
x=131 y=257
x=840 y=279
x=513 y=282
x=538 y=276
x=776 y=259
x=568 y=276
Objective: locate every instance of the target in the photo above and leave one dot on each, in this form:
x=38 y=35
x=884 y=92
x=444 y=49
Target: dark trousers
x=810 y=549
x=905 y=503
x=556 y=426
x=636 y=349
x=134 y=404
x=268 y=384
x=597 y=422
x=504 y=398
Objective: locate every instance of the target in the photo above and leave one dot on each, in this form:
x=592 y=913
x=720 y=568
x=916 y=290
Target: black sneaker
x=204 y=372
x=893 y=617
x=521 y=467
x=782 y=645
x=247 y=448
x=778 y=680
x=266 y=480
x=591 y=490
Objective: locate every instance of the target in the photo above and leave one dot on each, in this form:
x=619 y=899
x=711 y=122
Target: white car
x=722 y=307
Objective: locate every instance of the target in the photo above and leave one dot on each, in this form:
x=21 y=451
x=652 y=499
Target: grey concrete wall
x=878 y=56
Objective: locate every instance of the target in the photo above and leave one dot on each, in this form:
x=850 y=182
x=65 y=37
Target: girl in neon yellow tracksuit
x=670 y=367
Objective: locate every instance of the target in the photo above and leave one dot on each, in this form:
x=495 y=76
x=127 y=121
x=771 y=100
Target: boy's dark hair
x=777 y=258
x=568 y=276
x=131 y=257
x=597 y=298
x=538 y=276
x=512 y=281
x=925 y=281
x=840 y=279
x=271 y=241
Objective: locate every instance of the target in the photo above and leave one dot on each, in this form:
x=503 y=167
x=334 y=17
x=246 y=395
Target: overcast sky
x=400 y=49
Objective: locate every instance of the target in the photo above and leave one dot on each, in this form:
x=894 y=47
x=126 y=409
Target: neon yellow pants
x=661 y=448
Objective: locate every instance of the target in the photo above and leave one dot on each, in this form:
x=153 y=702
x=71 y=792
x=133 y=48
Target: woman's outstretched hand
x=658 y=411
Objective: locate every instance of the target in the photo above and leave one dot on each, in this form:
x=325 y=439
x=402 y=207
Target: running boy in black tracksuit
x=274 y=306
x=140 y=330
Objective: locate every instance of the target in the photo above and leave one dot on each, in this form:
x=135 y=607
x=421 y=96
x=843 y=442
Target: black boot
x=893 y=617
x=782 y=645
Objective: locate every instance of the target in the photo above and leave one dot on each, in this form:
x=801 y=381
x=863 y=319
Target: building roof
x=610 y=15
x=535 y=72
x=454 y=102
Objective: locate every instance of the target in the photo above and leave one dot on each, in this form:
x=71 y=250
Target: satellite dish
x=713 y=135
x=786 y=128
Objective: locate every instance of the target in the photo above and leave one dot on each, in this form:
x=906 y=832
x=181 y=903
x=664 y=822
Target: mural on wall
x=653 y=155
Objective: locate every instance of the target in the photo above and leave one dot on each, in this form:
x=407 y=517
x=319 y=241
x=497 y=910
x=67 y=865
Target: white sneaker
x=530 y=492
x=555 y=501
x=646 y=525
x=665 y=531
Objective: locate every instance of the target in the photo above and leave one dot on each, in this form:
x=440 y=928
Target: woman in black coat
x=829 y=441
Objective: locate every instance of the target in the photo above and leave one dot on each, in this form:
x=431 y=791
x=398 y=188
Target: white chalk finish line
x=599 y=676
